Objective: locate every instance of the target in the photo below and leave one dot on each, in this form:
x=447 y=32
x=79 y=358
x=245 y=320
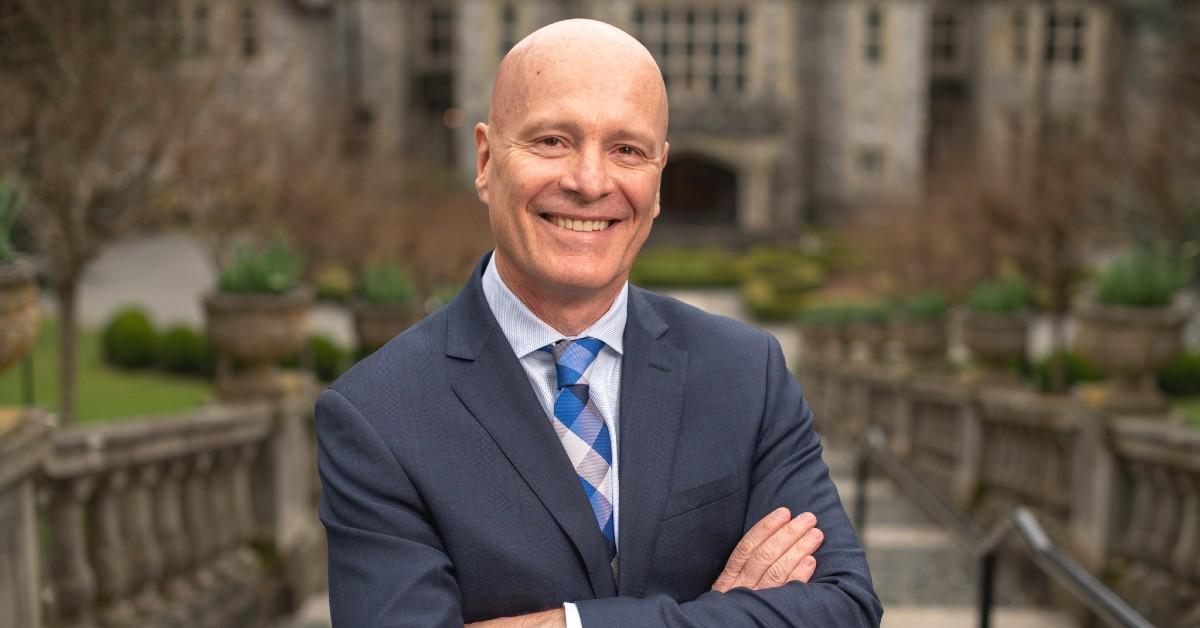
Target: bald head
x=577 y=55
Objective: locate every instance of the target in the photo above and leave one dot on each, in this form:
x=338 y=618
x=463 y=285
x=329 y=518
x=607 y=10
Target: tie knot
x=573 y=357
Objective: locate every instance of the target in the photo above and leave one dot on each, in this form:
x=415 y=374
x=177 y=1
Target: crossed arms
x=392 y=568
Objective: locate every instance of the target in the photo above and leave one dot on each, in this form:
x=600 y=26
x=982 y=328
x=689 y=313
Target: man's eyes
x=554 y=141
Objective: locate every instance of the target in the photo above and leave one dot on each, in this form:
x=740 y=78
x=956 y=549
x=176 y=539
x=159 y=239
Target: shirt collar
x=528 y=333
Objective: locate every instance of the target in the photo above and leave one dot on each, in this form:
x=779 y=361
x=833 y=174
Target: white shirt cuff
x=572 y=613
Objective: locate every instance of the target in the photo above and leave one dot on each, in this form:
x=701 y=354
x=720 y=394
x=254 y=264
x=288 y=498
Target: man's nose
x=588 y=175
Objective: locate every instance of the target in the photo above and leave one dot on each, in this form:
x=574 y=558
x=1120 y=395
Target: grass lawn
x=104 y=393
x=1190 y=407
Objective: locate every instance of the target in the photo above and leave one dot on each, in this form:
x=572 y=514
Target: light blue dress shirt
x=527 y=334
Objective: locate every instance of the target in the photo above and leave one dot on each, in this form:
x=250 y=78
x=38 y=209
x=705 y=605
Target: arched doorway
x=700 y=192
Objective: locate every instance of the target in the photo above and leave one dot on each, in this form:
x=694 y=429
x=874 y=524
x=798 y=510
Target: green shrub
x=9 y=208
x=328 y=360
x=764 y=301
x=926 y=306
x=1141 y=278
x=1000 y=296
x=440 y=295
x=685 y=267
x=334 y=283
x=273 y=268
x=871 y=313
x=825 y=314
x=186 y=351
x=1077 y=370
x=1182 y=376
x=387 y=284
x=129 y=339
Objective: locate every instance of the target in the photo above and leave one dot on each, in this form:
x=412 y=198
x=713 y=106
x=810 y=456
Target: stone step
x=900 y=616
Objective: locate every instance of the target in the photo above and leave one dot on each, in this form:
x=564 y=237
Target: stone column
x=283 y=492
x=25 y=439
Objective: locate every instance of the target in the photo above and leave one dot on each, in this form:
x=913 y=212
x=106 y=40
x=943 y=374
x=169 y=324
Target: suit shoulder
x=405 y=353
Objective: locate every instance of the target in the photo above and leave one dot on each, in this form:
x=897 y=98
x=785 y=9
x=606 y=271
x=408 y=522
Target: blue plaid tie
x=582 y=431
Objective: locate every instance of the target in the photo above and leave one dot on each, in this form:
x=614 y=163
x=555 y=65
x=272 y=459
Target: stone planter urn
x=996 y=340
x=1131 y=344
x=923 y=342
x=251 y=334
x=377 y=323
x=18 y=310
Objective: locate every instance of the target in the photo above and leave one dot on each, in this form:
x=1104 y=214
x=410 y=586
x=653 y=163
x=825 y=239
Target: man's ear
x=483 y=157
x=663 y=166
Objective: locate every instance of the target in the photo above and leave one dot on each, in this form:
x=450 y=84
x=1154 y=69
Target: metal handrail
x=986 y=546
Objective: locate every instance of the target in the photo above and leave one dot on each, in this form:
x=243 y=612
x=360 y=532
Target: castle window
x=942 y=40
x=508 y=28
x=874 y=47
x=702 y=51
x=249 y=23
x=200 y=26
x=1020 y=33
x=441 y=33
x=1064 y=37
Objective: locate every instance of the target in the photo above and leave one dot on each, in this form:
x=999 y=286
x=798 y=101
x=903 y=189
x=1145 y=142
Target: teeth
x=580 y=225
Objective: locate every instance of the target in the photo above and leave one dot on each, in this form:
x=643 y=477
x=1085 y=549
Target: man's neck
x=568 y=312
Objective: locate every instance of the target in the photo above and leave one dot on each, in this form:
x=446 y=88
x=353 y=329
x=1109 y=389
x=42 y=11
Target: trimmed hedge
x=685 y=267
x=1181 y=378
x=186 y=351
x=129 y=340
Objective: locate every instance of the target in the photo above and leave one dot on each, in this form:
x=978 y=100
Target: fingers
x=804 y=571
x=775 y=549
x=780 y=573
x=756 y=536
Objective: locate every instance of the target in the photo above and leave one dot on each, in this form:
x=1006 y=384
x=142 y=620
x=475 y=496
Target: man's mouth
x=584 y=226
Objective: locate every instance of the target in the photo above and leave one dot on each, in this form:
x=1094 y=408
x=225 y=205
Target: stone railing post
x=25 y=441
x=970 y=453
x=284 y=479
x=1095 y=492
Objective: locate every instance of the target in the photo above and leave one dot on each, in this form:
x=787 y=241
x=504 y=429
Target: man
x=557 y=448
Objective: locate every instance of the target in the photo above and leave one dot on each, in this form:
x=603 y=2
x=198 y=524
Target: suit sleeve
x=387 y=566
x=787 y=471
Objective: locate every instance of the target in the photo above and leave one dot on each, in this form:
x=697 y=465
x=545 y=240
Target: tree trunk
x=67 y=288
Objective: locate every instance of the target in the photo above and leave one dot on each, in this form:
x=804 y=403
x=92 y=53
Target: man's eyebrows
x=543 y=125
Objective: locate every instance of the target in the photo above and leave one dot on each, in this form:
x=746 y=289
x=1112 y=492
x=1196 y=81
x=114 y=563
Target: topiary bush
x=925 y=306
x=129 y=340
x=186 y=351
x=1000 y=296
x=387 y=284
x=1077 y=370
x=9 y=207
x=334 y=284
x=685 y=267
x=271 y=269
x=1141 y=278
x=1181 y=378
x=328 y=360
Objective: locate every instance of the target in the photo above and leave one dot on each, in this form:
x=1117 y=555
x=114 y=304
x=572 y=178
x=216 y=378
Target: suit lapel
x=653 y=375
x=497 y=392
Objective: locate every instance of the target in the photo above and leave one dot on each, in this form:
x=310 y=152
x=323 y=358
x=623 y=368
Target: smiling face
x=570 y=162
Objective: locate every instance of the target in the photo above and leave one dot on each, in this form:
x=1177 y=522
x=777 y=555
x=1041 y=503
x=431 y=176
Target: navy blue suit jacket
x=447 y=496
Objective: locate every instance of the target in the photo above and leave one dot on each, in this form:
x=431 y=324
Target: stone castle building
x=782 y=111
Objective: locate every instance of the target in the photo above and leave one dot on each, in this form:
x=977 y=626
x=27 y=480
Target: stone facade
x=782 y=111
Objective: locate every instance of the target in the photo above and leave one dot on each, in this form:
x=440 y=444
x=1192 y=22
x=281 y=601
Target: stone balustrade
x=1122 y=494
x=202 y=519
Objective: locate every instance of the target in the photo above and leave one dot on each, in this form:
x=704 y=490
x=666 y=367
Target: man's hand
x=774 y=552
x=555 y=618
